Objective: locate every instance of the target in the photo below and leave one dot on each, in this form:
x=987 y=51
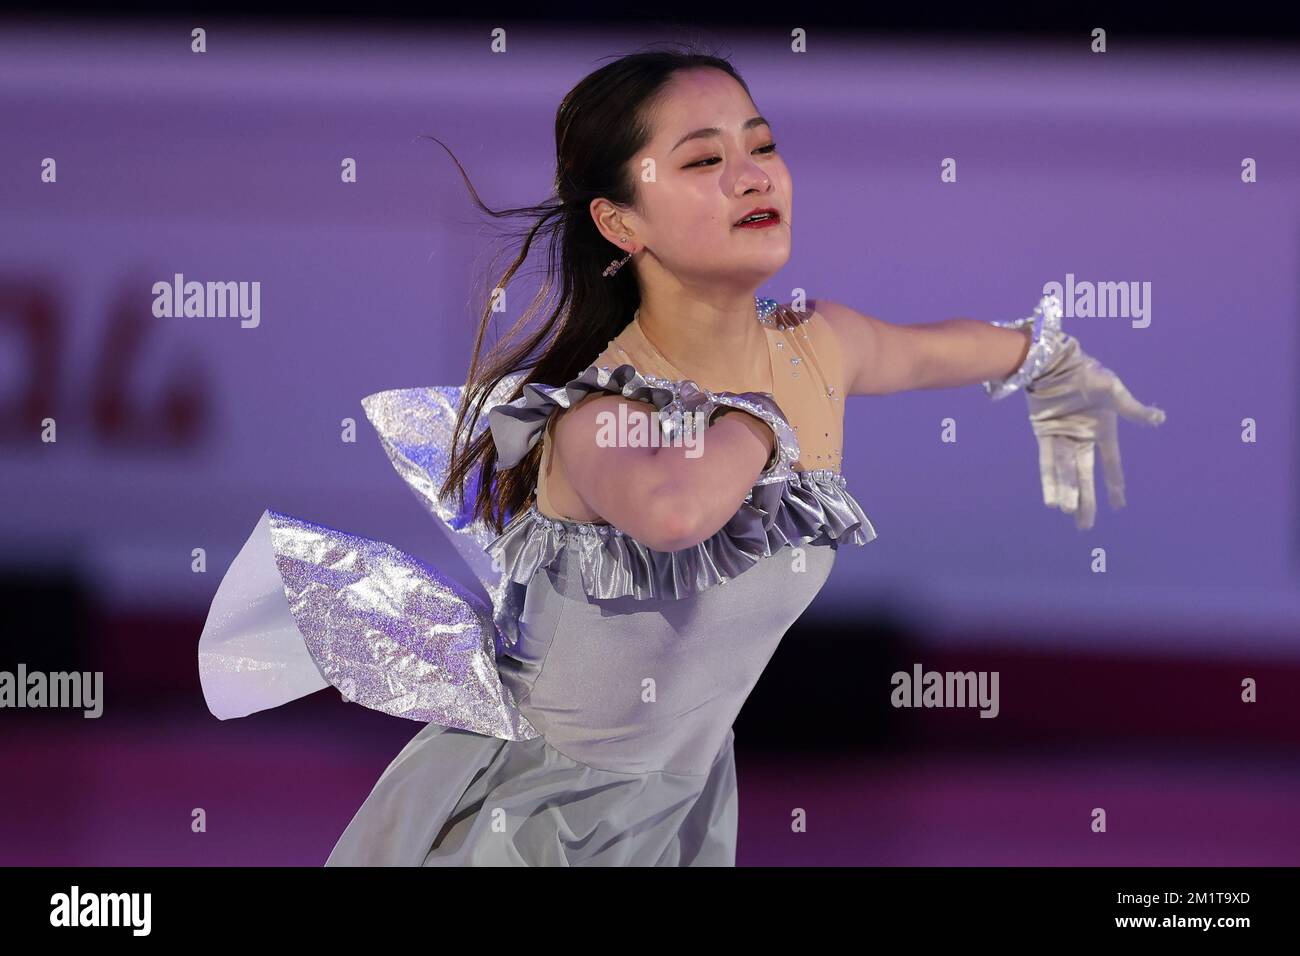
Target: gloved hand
x=1074 y=404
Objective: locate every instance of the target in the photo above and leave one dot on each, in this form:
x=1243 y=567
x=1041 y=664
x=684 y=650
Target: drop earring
x=616 y=264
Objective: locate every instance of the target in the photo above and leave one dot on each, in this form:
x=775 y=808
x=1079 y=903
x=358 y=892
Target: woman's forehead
x=697 y=120
x=702 y=98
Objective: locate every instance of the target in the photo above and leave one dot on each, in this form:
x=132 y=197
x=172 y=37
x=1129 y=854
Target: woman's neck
x=710 y=343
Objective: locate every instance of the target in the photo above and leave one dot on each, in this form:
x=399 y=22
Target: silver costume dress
x=584 y=717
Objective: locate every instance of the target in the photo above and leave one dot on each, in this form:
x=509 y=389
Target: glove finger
x=1047 y=469
x=1132 y=409
x=1085 y=457
x=1067 y=475
x=1111 y=466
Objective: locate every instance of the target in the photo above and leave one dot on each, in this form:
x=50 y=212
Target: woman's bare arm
x=663 y=497
x=880 y=358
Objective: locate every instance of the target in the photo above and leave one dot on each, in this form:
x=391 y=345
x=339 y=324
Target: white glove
x=1074 y=404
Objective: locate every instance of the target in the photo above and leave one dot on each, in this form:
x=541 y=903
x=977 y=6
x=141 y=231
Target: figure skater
x=638 y=588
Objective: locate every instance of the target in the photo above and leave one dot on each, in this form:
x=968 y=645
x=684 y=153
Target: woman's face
x=714 y=162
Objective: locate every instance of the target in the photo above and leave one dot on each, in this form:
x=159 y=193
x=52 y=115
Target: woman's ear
x=612 y=223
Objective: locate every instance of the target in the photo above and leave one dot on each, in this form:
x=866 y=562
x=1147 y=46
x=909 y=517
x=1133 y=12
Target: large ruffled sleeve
x=784 y=508
x=304 y=606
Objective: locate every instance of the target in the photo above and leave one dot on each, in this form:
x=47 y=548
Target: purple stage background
x=176 y=433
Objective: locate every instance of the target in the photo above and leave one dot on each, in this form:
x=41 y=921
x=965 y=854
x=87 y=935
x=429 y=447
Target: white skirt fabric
x=457 y=798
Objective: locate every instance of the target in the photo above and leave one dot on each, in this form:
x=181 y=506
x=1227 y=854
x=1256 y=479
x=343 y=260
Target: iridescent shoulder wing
x=305 y=606
x=416 y=427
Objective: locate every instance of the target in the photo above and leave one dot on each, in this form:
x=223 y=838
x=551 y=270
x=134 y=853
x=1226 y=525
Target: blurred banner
x=130 y=161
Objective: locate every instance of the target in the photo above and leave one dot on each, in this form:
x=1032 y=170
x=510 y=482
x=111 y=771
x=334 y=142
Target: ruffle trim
x=808 y=507
x=518 y=425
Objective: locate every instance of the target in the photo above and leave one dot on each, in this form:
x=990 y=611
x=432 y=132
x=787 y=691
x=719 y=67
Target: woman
x=656 y=513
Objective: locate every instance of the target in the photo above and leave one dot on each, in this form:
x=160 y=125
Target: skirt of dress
x=457 y=798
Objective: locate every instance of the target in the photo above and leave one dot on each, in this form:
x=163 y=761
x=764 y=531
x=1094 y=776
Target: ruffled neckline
x=784 y=508
x=810 y=507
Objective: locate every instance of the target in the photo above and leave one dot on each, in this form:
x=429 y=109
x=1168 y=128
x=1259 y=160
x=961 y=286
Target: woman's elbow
x=667 y=526
x=677 y=520
x=672 y=521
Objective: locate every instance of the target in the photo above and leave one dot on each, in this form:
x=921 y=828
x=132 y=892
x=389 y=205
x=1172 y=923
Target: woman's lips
x=771 y=220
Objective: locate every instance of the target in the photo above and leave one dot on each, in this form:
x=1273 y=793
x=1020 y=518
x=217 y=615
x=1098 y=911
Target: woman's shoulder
x=813 y=331
x=834 y=321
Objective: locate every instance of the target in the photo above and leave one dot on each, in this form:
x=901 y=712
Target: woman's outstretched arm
x=880 y=358
x=1074 y=402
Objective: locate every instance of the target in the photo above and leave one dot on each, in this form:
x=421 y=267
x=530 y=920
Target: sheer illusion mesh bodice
x=807 y=379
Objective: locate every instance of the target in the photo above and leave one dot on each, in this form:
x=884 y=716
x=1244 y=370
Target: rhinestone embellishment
x=766 y=309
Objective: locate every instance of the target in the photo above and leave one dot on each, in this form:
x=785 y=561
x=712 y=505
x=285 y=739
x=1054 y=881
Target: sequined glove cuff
x=1047 y=344
x=693 y=407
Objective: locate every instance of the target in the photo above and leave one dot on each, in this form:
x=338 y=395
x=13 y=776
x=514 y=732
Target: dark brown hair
x=600 y=127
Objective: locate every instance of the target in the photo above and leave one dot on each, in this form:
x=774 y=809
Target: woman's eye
x=766 y=150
